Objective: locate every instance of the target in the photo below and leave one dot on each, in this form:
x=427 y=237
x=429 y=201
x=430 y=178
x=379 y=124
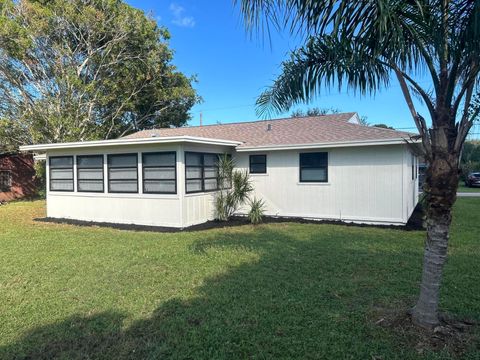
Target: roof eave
x=141 y=141
x=396 y=141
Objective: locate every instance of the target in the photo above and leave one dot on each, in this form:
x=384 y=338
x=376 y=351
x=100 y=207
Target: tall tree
x=85 y=69
x=315 y=111
x=362 y=44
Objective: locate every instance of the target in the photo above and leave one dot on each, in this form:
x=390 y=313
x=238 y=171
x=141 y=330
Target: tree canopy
x=75 y=70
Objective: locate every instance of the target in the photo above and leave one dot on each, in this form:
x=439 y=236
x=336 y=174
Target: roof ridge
x=253 y=121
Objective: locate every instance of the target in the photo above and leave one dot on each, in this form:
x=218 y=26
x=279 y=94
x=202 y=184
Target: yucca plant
x=235 y=187
x=257 y=211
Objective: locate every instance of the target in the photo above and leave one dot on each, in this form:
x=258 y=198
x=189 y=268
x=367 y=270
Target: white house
x=324 y=167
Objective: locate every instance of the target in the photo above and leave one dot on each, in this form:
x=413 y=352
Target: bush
x=235 y=187
x=257 y=211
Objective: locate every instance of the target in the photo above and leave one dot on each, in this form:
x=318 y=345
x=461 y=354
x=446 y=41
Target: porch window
x=5 y=180
x=61 y=173
x=90 y=173
x=159 y=173
x=314 y=167
x=258 y=164
x=123 y=173
x=201 y=172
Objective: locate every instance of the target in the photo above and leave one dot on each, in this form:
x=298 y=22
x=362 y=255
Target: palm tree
x=363 y=44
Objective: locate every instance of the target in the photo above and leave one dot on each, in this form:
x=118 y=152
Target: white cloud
x=179 y=17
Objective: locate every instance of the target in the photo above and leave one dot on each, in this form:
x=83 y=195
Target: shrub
x=257 y=211
x=235 y=187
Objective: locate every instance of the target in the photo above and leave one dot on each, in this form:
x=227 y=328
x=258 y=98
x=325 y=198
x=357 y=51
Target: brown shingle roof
x=291 y=131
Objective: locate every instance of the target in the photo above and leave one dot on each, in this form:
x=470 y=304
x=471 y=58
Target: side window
x=314 y=167
x=201 y=172
x=258 y=164
x=5 y=180
x=159 y=173
x=61 y=173
x=123 y=173
x=90 y=173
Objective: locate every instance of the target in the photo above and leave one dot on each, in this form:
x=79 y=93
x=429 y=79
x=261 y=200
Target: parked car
x=473 y=179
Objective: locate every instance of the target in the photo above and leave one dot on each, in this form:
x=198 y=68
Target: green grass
x=268 y=292
x=463 y=188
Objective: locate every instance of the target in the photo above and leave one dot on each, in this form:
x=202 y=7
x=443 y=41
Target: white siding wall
x=199 y=207
x=141 y=209
x=364 y=185
x=410 y=185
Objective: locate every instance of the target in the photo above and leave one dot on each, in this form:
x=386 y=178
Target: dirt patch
x=234 y=221
x=456 y=336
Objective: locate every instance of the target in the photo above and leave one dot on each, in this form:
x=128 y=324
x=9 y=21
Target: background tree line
x=74 y=70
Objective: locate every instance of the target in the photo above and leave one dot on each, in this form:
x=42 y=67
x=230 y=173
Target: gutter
x=395 y=141
x=141 y=141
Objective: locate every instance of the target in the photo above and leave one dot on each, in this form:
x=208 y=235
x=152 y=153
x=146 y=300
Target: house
x=17 y=176
x=324 y=167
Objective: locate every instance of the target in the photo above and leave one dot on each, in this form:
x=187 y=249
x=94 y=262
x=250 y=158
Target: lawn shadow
x=304 y=297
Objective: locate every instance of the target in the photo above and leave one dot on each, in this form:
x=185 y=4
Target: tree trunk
x=440 y=187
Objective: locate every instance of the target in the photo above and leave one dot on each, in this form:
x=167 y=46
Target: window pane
x=211 y=184
x=313 y=159
x=159 y=159
x=258 y=159
x=210 y=159
x=5 y=180
x=92 y=185
x=92 y=174
x=90 y=161
x=123 y=160
x=61 y=174
x=159 y=186
x=193 y=159
x=123 y=186
x=194 y=185
x=159 y=173
x=120 y=174
x=314 y=174
x=258 y=168
x=61 y=161
x=211 y=172
x=61 y=185
x=194 y=172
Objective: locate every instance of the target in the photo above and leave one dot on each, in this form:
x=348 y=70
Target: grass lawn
x=274 y=291
x=463 y=188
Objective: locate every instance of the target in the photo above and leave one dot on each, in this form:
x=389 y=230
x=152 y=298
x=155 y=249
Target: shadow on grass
x=305 y=297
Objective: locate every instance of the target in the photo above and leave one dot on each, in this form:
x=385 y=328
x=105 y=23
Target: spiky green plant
x=235 y=187
x=257 y=211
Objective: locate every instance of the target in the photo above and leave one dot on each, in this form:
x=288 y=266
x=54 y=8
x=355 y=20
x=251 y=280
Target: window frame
x=50 y=172
x=109 y=156
x=148 y=167
x=8 y=187
x=300 y=167
x=250 y=163
x=90 y=167
x=202 y=166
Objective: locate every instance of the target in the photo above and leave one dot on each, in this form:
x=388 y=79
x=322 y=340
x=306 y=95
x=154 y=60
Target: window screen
x=61 y=173
x=123 y=173
x=314 y=167
x=90 y=173
x=159 y=173
x=258 y=164
x=5 y=180
x=201 y=172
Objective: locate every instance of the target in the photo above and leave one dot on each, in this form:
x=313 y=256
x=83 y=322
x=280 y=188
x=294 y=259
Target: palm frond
x=323 y=62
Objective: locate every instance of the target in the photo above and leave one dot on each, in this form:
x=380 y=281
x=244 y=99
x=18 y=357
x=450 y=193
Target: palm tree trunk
x=440 y=187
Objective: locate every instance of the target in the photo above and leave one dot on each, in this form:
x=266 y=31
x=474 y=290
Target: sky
x=232 y=67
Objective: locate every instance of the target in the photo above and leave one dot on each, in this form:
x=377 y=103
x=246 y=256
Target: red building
x=17 y=176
